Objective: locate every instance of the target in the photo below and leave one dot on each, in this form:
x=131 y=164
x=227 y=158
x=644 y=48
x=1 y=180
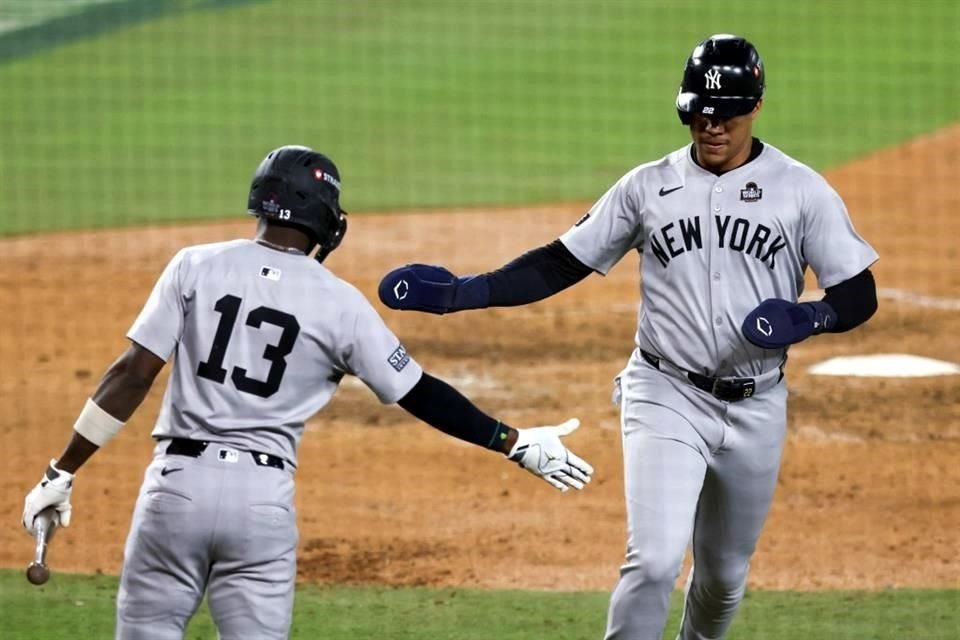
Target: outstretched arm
x=444 y=408
x=538 y=450
x=535 y=275
x=121 y=390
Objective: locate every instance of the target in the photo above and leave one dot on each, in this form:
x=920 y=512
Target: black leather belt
x=195 y=448
x=726 y=389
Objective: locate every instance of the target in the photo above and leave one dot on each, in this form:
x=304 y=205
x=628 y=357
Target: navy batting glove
x=776 y=323
x=427 y=287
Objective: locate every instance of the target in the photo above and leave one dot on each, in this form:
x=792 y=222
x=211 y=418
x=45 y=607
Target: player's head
x=720 y=95
x=298 y=187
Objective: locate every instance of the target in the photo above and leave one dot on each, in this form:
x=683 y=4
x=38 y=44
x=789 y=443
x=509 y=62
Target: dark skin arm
x=121 y=390
x=507 y=444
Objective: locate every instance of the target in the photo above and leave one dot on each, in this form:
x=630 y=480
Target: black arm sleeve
x=535 y=275
x=446 y=409
x=854 y=300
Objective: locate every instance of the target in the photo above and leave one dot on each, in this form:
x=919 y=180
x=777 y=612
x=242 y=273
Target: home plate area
x=884 y=365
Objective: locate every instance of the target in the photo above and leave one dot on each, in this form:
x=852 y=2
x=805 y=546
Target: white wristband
x=96 y=425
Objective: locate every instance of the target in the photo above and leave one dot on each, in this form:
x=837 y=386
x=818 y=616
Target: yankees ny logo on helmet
x=713 y=79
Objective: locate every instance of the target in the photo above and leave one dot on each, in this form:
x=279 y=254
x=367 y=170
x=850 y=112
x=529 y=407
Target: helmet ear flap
x=334 y=239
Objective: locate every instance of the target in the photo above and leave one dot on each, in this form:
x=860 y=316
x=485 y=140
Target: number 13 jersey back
x=262 y=338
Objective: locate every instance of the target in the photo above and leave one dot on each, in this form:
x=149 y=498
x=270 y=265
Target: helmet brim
x=689 y=104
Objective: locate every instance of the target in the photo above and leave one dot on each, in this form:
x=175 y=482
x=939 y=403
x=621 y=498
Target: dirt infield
x=869 y=494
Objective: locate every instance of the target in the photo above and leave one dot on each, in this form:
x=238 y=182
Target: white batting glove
x=539 y=451
x=52 y=490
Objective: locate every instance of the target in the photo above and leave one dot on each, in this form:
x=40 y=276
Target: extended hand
x=419 y=287
x=52 y=490
x=776 y=323
x=539 y=451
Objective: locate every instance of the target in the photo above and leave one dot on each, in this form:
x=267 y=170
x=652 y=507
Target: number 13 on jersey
x=212 y=368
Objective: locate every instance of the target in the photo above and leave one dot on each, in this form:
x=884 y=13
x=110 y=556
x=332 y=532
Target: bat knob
x=37 y=573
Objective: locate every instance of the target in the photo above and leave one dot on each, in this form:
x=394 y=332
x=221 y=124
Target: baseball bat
x=44 y=526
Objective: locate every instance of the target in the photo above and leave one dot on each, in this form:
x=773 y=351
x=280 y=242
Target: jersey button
x=716 y=275
x=718 y=189
x=718 y=321
x=716 y=207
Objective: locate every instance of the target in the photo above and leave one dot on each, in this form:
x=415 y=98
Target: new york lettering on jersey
x=755 y=227
x=752 y=238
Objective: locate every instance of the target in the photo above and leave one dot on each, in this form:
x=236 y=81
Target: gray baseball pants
x=217 y=524
x=696 y=470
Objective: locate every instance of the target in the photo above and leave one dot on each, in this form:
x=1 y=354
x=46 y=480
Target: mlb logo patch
x=269 y=273
x=399 y=358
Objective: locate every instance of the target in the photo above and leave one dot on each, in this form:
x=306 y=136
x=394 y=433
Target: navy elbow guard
x=431 y=288
x=776 y=323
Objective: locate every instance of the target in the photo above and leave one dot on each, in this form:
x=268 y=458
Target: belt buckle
x=733 y=389
x=714 y=391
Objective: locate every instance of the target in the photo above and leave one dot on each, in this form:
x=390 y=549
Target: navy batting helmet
x=723 y=78
x=300 y=187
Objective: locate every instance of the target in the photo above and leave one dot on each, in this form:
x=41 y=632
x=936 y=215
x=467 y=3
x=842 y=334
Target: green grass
x=430 y=103
x=71 y=606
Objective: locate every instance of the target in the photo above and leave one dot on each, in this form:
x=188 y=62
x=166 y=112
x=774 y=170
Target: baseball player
x=725 y=227
x=262 y=334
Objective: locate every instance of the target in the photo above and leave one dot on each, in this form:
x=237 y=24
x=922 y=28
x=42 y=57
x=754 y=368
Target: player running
x=726 y=228
x=263 y=334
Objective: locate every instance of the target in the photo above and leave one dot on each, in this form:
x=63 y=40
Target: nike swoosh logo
x=165 y=471
x=664 y=192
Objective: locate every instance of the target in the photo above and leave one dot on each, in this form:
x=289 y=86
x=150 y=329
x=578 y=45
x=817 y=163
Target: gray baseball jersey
x=262 y=338
x=752 y=232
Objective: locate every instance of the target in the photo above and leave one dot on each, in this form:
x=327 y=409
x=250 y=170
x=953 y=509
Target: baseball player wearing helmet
x=262 y=335
x=726 y=227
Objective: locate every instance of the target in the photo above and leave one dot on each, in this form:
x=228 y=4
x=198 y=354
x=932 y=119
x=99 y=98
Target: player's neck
x=283 y=238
